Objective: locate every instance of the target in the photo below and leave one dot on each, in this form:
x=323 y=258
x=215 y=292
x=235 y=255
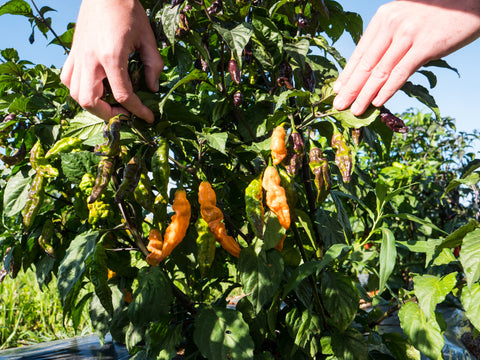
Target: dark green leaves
x=152 y=299
x=388 y=255
x=260 y=274
x=74 y=165
x=222 y=334
x=16 y=7
x=268 y=43
x=236 y=38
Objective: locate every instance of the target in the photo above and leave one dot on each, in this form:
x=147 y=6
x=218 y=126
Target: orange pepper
x=278 y=147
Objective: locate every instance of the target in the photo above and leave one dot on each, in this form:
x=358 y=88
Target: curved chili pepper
x=206 y=246
x=254 y=206
x=155 y=246
x=44 y=240
x=104 y=173
x=393 y=123
x=112 y=133
x=35 y=198
x=161 y=167
x=213 y=216
x=319 y=166
x=343 y=157
x=234 y=71
x=357 y=135
x=63 y=146
x=286 y=181
x=276 y=197
x=131 y=176
x=237 y=99
x=308 y=78
x=295 y=153
x=143 y=192
x=277 y=145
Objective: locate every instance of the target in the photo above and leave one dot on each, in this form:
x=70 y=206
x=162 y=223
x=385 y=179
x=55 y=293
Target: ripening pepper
x=213 y=216
x=357 y=135
x=319 y=166
x=105 y=171
x=237 y=99
x=143 y=192
x=87 y=183
x=155 y=246
x=234 y=71
x=286 y=181
x=295 y=153
x=63 y=146
x=161 y=167
x=276 y=197
x=45 y=238
x=112 y=133
x=343 y=156
x=215 y=7
x=98 y=210
x=16 y=157
x=278 y=147
x=178 y=226
x=131 y=176
x=160 y=210
x=35 y=198
x=393 y=123
x=254 y=206
x=39 y=163
x=206 y=245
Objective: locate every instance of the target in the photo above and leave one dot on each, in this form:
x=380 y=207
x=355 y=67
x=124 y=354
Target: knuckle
x=122 y=97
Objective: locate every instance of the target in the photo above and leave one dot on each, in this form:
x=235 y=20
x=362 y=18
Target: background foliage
x=388 y=234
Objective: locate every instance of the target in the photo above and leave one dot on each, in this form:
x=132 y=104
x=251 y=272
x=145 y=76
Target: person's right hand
x=106 y=33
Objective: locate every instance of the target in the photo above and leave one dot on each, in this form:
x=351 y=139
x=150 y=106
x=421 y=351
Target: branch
x=42 y=18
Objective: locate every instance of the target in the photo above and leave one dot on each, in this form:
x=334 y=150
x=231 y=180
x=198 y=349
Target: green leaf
x=73 y=264
x=162 y=340
x=416 y=219
x=152 y=298
x=354 y=25
x=455 y=239
x=16 y=192
x=328 y=225
x=267 y=42
x=260 y=275
x=170 y=18
x=194 y=75
x=236 y=38
x=342 y=215
x=349 y=120
x=99 y=317
x=298 y=51
x=432 y=78
x=285 y=95
x=421 y=94
x=303 y=328
x=85 y=125
x=16 y=7
x=470 y=301
x=75 y=165
x=399 y=347
x=65 y=39
x=423 y=333
x=470 y=255
x=99 y=277
x=222 y=334
x=349 y=345
x=470 y=167
x=216 y=140
x=442 y=64
x=308 y=268
x=274 y=232
x=307 y=225
x=340 y=298
x=469 y=180
x=431 y=290
x=388 y=257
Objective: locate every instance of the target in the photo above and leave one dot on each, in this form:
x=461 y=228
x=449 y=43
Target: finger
x=380 y=74
x=410 y=63
x=153 y=63
x=67 y=70
x=123 y=92
x=351 y=88
x=363 y=45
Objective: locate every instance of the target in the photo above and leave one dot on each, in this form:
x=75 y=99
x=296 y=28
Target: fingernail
x=339 y=103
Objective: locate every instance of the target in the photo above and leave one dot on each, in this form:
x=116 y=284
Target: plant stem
x=42 y=18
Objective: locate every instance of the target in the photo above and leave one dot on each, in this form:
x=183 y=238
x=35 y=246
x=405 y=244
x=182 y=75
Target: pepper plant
x=351 y=210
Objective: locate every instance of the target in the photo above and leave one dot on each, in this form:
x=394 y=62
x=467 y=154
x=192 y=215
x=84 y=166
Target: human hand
x=402 y=36
x=106 y=33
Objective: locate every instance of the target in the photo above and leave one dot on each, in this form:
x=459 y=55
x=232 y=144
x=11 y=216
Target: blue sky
x=457 y=97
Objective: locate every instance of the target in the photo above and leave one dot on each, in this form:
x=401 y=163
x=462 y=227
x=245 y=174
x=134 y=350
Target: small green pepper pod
x=45 y=238
x=206 y=245
x=64 y=145
x=35 y=198
x=131 y=176
x=143 y=192
x=161 y=167
x=254 y=206
x=105 y=171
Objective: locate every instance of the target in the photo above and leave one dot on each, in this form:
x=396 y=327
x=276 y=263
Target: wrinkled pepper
x=64 y=145
x=254 y=206
x=155 y=246
x=105 y=171
x=35 y=198
x=393 y=123
x=234 y=71
x=87 y=183
x=286 y=181
x=143 y=192
x=206 y=245
x=213 y=216
x=98 y=210
x=131 y=176
x=278 y=147
x=357 y=135
x=343 y=156
x=161 y=167
x=295 y=153
x=237 y=99
x=276 y=197
x=319 y=166
x=112 y=133
x=16 y=157
x=45 y=238
x=39 y=163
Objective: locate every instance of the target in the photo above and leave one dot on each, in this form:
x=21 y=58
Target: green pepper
x=343 y=156
x=160 y=211
x=98 y=210
x=131 y=176
x=286 y=181
x=254 y=206
x=45 y=238
x=87 y=183
x=161 y=167
x=39 y=163
x=105 y=171
x=35 y=198
x=143 y=192
x=319 y=166
x=206 y=245
x=63 y=146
